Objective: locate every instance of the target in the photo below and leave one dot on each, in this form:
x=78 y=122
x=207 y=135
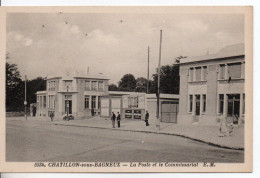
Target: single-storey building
x=132 y=105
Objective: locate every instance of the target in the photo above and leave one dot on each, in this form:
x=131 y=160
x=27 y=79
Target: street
x=35 y=141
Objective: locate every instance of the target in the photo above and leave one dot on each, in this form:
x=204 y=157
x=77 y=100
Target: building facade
x=132 y=105
x=79 y=96
x=212 y=86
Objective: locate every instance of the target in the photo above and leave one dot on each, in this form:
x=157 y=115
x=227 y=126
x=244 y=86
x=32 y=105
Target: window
x=133 y=102
x=205 y=73
x=198 y=73
x=49 y=85
x=87 y=85
x=44 y=101
x=222 y=71
x=243 y=111
x=234 y=70
x=86 y=102
x=52 y=101
x=68 y=83
x=191 y=100
x=191 y=74
x=93 y=102
x=221 y=104
x=99 y=102
x=100 y=86
x=197 y=105
x=204 y=103
x=93 y=85
x=53 y=85
x=69 y=97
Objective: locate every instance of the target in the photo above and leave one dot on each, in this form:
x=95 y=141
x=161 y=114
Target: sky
x=50 y=44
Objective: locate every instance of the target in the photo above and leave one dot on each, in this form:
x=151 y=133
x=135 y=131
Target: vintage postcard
x=126 y=89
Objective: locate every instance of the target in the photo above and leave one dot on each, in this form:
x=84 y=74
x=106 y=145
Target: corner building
x=212 y=86
x=81 y=93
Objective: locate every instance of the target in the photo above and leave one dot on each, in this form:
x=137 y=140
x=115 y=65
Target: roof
x=162 y=95
x=41 y=92
x=226 y=52
x=88 y=76
x=124 y=93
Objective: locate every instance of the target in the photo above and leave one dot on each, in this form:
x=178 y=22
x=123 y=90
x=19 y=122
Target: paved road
x=44 y=141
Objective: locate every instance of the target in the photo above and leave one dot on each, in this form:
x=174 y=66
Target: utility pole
x=25 y=101
x=158 y=84
x=148 y=71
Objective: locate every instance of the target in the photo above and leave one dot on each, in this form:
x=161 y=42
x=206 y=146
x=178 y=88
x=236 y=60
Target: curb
x=162 y=133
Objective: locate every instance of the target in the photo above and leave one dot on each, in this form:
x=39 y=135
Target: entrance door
x=233 y=108
x=68 y=105
x=169 y=111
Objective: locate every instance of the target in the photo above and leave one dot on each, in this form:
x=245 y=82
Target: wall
x=183 y=117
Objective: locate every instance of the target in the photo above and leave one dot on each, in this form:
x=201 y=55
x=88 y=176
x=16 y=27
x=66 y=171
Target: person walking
x=147 y=118
x=118 y=118
x=113 y=119
x=51 y=115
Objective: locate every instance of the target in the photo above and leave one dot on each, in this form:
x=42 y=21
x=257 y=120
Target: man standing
x=113 y=119
x=51 y=115
x=147 y=118
x=118 y=118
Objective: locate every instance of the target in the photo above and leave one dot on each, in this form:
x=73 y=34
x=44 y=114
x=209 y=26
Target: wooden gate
x=169 y=111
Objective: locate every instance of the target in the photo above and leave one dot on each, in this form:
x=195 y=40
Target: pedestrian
x=51 y=115
x=118 y=118
x=223 y=132
x=147 y=118
x=113 y=119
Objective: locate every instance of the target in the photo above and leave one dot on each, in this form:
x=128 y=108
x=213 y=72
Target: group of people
x=114 y=118
x=117 y=118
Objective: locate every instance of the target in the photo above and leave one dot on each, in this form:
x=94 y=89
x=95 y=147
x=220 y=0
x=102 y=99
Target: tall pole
x=158 y=84
x=67 y=104
x=25 y=101
x=148 y=71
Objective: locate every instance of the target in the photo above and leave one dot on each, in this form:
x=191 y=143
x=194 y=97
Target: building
x=212 y=86
x=132 y=105
x=81 y=93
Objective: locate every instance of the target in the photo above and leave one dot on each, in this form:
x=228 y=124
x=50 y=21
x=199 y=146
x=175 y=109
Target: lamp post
x=67 y=103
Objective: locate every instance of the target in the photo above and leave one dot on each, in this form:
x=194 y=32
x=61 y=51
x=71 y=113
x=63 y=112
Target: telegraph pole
x=25 y=101
x=158 y=84
x=148 y=71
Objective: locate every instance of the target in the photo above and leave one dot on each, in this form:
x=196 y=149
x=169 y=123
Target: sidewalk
x=205 y=134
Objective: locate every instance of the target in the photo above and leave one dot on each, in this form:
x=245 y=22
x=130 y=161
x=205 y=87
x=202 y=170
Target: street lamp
x=67 y=105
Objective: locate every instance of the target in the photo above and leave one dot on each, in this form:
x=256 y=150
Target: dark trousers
x=146 y=121
x=118 y=123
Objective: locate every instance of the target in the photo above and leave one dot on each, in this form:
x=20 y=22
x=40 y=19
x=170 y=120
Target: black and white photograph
x=151 y=89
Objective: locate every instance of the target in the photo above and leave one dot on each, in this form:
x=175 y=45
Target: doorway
x=233 y=108
x=68 y=104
